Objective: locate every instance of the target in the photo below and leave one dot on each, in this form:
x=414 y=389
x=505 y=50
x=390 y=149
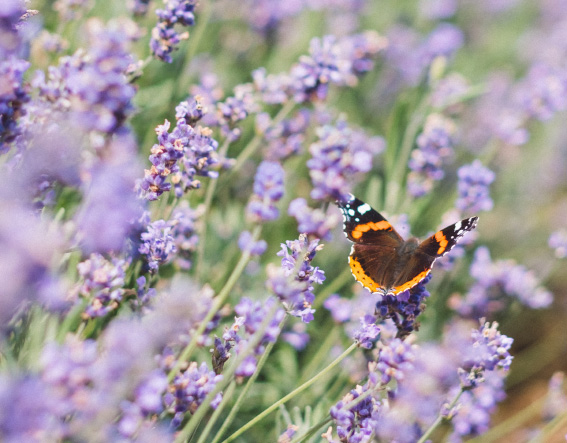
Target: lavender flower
x=338 y=155
x=158 y=244
x=102 y=96
x=189 y=389
x=313 y=221
x=488 y=352
x=246 y=244
x=293 y=282
x=556 y=401
x=268 y=189
x=544 y=91
x=434 y=146
x=109 y=191
x=331 y=61
x=13 y=95
x=103 y=284
x=558 y=242
x=250 y=317
x=286 y=138
x=164 y=36
x=404 y=308
x=473 y=187
x=10 y=39
x=368 y=332
x=72 y=9
x=138 y=7
x=183 y=154
x=356 y=424
x=395 y=360
x=495 y=281
x=183 y=221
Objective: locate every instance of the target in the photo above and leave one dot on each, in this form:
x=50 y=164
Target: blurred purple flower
x=164 y=36
x=338 y=155
x=558 y=242
x=250 y=316
x=138 y=7
x=313 y=221
x=438 y=9
x=473 y=188
x=286 y=138
x=158 y=244
x=72 y=9
x=11 y=12
x=183 y=221
x=556 y=401
x=268 y=189
x=395 y=360
x=13 y=95
x=110 y=190
x=543 y=92
x=28 y=250
x=102 y=285
x=293 y=282
x=434 y=146
x=494 y=281
x=246 y=244
x=101 y=93
x=368 y=333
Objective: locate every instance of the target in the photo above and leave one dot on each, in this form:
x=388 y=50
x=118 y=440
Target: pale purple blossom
x=158 y=244
x=474 y=188
x=313 y=221
x=165 y=38
x=268 y=190
x=368 y=333
x=558 y=242
x=246 y=244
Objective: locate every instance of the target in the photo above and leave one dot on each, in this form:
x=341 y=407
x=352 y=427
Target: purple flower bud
x=473 y=187
x=246 y=244
x=164 y=37
x=268 y=189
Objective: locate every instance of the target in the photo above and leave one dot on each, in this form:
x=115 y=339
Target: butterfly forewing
x=443 y=241
x=362 y=224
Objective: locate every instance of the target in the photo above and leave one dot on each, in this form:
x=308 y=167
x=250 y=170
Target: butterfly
x=381 y=260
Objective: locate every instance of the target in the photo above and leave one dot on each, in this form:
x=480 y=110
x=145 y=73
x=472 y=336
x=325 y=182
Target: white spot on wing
x=363 y=209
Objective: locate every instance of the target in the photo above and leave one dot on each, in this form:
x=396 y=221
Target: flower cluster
x=252 y=317
x=268 y=190
x=494 y=280
x=330 y=61
x=103 y=284
x=404 y=308
x=164 y=36
x=286 y=138
x=558 y=242
x=12 y=98
x=338 y=155
x=158 y=244
x=313 y=221
x=473 y=188
x=182 y=154
x=293 y=282
x=434 y=146
x=189 y=389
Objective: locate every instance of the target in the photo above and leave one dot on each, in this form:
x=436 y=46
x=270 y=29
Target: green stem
x=394 y=181
x=203 y=408
x=550 y=429
x=227 y=395
x=254 y=144
x=321 y=354
x=217 y=304
x=289 y=396
x=235 y=408
x=208 y=201
x=439 y=418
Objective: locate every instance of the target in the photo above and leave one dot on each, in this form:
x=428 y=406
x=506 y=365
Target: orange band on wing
x=443 y=242
x=361 y=276
x=361 y=229
x=410 y=284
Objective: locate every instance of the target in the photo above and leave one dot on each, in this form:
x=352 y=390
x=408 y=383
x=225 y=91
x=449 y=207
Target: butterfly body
x=381 y=260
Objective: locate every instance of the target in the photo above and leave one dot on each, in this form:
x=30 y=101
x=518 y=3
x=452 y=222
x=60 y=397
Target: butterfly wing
x=443 y=241
x=373 y=254
x=364 y=225
x=419 y=265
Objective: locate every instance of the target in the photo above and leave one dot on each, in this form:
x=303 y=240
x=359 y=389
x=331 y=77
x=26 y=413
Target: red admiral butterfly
x=381 y=260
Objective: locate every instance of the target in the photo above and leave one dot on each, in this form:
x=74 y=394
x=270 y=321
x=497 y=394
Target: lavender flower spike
x=268 y=189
